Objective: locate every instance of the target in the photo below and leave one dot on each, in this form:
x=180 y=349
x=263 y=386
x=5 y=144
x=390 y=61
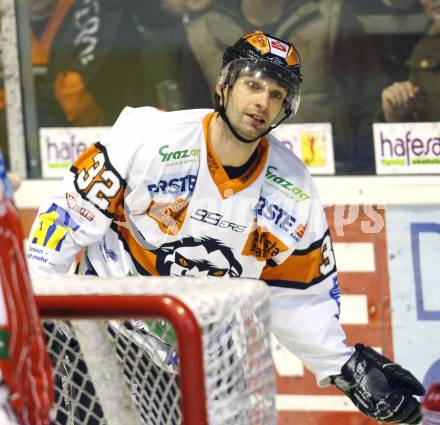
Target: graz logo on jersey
x=216 y=219
x=197 y=258
x=276 y=214
x=282 y=183
x=182 y=154
x=174 y=186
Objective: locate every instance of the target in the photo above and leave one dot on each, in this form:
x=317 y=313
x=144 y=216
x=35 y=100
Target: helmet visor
x=265 y=73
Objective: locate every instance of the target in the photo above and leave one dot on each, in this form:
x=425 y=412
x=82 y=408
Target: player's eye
x=277 y=95
x=253 y=85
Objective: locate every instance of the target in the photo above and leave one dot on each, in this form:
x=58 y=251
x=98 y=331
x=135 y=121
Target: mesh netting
x=234 y=319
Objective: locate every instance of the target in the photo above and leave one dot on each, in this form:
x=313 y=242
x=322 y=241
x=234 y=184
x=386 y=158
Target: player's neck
x=229 y=150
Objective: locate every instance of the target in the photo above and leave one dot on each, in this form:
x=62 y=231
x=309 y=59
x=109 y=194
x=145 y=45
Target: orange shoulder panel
x=297 y=268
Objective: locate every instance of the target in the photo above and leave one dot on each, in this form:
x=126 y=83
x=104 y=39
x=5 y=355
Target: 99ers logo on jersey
x=97 y=181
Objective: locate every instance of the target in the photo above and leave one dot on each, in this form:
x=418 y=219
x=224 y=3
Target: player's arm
x=305 y=319
x=81 y=211
x=306 y=305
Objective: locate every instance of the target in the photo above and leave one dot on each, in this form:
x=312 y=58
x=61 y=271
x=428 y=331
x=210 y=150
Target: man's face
x=432 y=8
x=253 y=103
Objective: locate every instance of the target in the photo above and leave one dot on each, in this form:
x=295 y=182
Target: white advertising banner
x=413 y=237
x=59 y=146
x=313 y=143
x=407 y=148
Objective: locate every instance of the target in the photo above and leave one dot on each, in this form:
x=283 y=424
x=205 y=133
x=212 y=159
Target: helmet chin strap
x=222 y=112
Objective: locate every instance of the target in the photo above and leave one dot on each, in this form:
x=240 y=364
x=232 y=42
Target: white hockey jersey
x=153 y=199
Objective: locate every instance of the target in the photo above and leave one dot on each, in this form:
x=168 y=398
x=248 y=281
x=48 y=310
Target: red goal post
x=204 y=349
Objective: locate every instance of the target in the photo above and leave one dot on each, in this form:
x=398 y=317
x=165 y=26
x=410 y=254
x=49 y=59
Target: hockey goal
x=158 y=350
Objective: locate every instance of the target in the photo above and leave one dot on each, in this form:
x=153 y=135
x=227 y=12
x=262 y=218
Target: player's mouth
x=256 y=120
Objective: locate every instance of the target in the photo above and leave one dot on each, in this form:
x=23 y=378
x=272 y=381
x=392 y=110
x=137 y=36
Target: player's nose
x=262 y=100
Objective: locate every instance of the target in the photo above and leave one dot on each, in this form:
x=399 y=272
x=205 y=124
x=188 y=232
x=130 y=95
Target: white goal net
x=168 y=351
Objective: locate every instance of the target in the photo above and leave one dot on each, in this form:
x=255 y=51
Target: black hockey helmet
x=269 y=56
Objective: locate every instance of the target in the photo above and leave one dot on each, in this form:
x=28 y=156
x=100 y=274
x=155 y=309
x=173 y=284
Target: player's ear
x=225 y=89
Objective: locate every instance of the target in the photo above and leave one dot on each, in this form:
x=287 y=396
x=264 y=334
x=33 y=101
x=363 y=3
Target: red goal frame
x=166 y=307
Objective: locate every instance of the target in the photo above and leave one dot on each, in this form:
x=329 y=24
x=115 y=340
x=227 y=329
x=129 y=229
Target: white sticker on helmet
x=278 y=47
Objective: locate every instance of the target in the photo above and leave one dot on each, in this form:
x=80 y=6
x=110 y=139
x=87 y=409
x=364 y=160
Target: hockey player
x=25 y=376
x=211 y=193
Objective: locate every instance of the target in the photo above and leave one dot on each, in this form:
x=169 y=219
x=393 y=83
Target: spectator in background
x=343 y=77
x=172 y=72
x=417 y=98
x=85 y=61
x=393 y=27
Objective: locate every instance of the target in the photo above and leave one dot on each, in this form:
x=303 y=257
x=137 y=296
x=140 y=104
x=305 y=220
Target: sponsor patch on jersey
x=213 y=164
x=107 y=253
x=37 y=254
x=277 y=215
x=216 y=219
x=53 y=226
x=174 y=185
x=72 y=204
x=168 y=155
x=299 y=231
x=168 y=215
x=263 y=245
x=285 y=186
x=305 y=267
x=335 y=294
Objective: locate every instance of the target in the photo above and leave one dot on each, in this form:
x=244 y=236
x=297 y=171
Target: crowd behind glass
x=362 y=61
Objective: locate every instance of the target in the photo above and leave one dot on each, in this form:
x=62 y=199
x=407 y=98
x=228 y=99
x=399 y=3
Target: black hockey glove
x=380 y=388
